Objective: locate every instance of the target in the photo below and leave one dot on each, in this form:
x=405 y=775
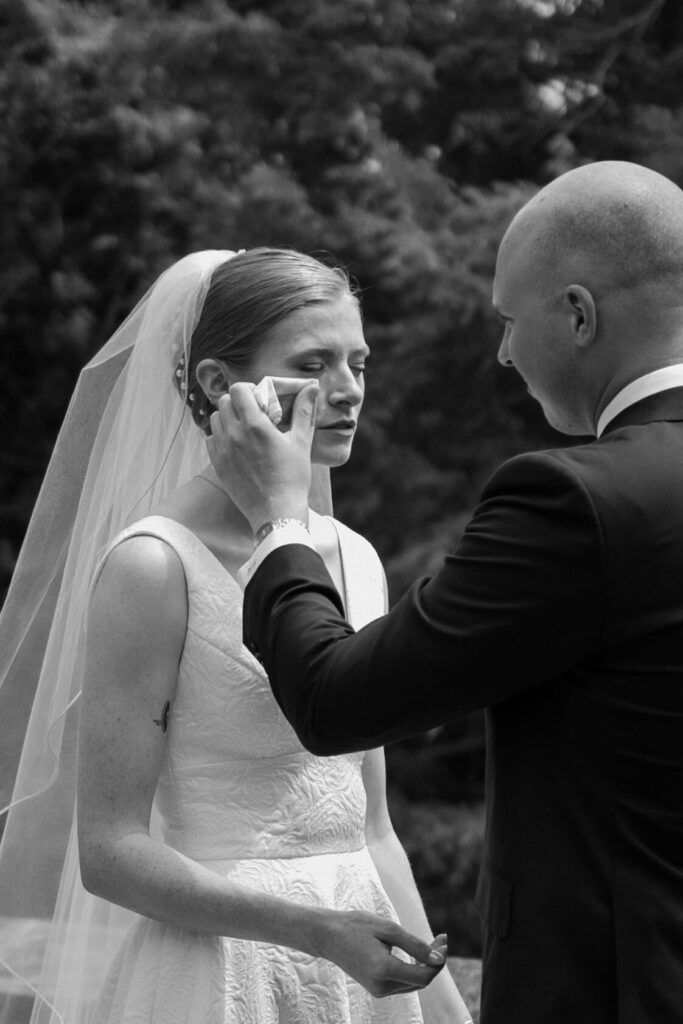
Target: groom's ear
x=213 y=378
x=583 y=317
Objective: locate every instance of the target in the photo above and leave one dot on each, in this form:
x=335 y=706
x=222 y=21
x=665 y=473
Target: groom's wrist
x=279 y=533
x=277 y=507
x=281 y=523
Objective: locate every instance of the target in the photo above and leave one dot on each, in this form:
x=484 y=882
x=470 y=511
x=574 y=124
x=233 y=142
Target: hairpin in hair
x=181 y=377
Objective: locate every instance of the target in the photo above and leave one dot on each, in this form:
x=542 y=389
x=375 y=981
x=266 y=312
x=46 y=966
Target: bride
x=214 y=870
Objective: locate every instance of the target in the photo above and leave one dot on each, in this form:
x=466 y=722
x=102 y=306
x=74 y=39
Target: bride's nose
x=345 y=389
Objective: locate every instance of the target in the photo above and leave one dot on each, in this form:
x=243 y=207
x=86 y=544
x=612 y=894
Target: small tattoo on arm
x=163 y=721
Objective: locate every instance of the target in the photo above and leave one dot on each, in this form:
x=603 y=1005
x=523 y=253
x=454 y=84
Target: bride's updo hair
x=248 y=295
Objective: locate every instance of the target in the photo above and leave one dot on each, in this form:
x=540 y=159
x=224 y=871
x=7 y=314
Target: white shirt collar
x=649 y=384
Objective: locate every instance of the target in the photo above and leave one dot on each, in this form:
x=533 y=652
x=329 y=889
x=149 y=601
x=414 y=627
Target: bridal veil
x=127 y=440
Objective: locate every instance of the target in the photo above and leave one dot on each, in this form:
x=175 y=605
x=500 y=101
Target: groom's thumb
x=303 y=413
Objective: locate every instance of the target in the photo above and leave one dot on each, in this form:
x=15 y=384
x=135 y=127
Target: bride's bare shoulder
x=141 y=575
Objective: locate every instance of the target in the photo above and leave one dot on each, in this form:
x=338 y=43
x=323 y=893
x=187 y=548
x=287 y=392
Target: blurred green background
x=399 y=135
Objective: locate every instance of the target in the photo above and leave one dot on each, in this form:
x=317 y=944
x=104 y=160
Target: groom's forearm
x=516 y=604
x=344 y=691
x=292 y=615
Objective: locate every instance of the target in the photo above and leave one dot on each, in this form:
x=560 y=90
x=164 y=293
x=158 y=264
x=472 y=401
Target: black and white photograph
x=341 y=512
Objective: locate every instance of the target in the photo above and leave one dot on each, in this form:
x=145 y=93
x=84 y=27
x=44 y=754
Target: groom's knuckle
x=251 y=430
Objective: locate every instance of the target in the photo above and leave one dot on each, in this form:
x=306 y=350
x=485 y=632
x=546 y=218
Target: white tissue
x=266 y=396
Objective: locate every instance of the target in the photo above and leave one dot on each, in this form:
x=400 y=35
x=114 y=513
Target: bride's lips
x=344 y=426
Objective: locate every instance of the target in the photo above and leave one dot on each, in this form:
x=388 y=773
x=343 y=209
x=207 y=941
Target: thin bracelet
x=275 y=524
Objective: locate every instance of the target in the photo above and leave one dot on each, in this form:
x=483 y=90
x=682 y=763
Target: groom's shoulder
x=550 y=463
x=578 y=472
x=597 y=468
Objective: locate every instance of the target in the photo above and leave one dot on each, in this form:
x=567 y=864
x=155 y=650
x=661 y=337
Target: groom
x=560 y=612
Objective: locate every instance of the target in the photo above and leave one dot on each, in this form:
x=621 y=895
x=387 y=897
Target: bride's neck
x=223 y=504
x=204 y=506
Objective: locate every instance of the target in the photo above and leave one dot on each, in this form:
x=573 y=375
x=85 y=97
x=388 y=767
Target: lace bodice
x=236 y=781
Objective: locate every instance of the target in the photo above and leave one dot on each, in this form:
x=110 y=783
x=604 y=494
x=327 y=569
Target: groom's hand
x=267 y=473
x=361 y=945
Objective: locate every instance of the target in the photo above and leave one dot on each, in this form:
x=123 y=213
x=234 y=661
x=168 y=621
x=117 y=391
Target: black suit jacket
x=561 y=613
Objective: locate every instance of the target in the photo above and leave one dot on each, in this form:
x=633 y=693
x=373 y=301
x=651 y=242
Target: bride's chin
x=331 y=448
x=331 y=459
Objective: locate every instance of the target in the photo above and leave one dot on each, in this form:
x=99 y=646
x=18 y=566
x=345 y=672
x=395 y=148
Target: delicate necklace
x=213 y=483
x=235 y=520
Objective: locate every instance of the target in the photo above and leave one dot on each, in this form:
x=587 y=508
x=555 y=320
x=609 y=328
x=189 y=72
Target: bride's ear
x=213 y=379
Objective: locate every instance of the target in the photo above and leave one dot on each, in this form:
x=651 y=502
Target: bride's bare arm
x=441 y=1002
x=136 y=631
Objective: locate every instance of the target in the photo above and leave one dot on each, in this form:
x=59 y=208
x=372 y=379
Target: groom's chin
x=564 y=424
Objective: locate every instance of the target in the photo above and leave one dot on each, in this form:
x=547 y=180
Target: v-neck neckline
x=343 y=569
x=200 y=543
x=234 y=581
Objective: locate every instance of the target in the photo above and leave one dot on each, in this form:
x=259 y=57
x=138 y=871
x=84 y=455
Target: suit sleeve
x=517 y=604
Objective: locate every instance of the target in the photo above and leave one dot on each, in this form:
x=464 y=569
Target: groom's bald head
x=611 y=225
x=589 y=281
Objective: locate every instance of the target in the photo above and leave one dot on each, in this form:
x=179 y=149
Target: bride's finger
x=403 y=976
x=423 y=952
x=394 y=989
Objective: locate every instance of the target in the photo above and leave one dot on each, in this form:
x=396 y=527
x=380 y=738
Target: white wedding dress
x=239 y=794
